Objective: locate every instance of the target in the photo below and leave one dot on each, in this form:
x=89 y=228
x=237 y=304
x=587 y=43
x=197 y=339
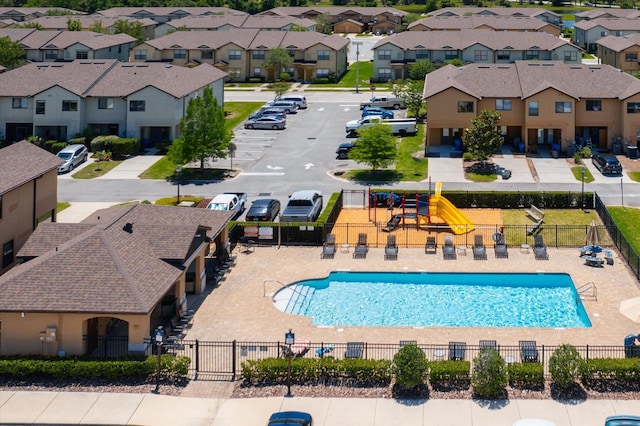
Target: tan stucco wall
x=548 y=118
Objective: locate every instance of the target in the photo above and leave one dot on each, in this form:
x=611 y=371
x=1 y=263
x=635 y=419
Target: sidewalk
x=150 y=409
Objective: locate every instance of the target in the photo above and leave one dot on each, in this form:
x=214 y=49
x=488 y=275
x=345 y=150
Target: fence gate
x=354 y=198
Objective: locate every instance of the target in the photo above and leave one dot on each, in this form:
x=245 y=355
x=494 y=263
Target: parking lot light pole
x=357 y=44
x=289 y=338
x=178 y=175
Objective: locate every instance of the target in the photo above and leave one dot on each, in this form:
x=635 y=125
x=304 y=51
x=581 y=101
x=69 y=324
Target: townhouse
x=50 y=46
x=100 y=287
x=164 y=14
x=540 y=103
x=21 y=14
x=620 y=52
x=384 y=20
x=495 y=23
x=602 y=12
x=62 y=99
x=28 y=191
x=92 y=22
x=394 y=55
x=242 y=52
x=586 y=33
x=515 y=12
x=229 y=21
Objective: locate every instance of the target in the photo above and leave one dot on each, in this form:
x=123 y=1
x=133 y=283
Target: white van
x=300 y=100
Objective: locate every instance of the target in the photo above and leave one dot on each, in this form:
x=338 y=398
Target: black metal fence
x=227 y=357
x=106 y=346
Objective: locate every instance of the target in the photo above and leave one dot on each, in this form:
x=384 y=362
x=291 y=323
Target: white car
x=72 y=156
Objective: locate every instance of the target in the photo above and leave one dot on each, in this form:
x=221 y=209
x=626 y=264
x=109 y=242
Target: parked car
x=607 y=164
x=264 y=209
x=290 y=418
x=300 y=100
x=384 y=113
x=622 y=420
x=288 y=107
x=72 y=156
x=274 y=112
x=384 y=199
x=267 y=122
x=343 y=150
x=303 y=206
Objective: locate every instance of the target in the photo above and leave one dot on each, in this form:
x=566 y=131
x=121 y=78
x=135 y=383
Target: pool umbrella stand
x=630 y=308
x=593 y=237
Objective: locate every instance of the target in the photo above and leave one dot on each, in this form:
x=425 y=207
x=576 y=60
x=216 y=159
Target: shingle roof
x=275 y=22
x=606 y=12
x=498 y=11
x=94 y=41
x=100 y=267
x=618 y=44
x=613 y=24
x=209 y=21
x=459 y=40
x=475 y=21
x=523 y=79
x=204 y=39
x=22 y=162
x=306 y=39
x=60 y=22
x=165 y=11
x=36 y=10
x=332 y=10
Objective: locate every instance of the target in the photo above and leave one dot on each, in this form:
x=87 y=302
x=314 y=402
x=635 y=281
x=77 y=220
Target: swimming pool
x=432 y=299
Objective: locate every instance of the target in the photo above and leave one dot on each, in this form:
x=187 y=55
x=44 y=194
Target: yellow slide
x=444 y=209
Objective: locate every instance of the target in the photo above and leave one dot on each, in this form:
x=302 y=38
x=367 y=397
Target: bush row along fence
x=226 y=357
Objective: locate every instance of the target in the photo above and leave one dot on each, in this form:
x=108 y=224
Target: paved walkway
x=137 y=409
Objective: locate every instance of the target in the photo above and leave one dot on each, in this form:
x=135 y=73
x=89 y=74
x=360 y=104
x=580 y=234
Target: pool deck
x=241 y=307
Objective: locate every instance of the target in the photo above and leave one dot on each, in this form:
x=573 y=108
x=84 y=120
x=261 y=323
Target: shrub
x=321 y=80
x=48 y=145
x=526 y=374
x=56 y=147
x=449 y=374
x=577 y=158
x=565 y=365
x=410 y=366
x=102 y=143
x=467 y=156
x=78 y=140
x=584 y=152
x=489 y=377
x=615 y=369
x=255 y=80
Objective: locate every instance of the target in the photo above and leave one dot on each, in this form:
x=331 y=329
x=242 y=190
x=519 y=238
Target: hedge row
x=109 y=369
x=119 y=147
x=616 y=369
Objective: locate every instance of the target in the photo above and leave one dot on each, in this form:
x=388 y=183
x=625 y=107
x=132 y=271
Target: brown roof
x=102 y=268
x=498 y=11
x=608 y=12
x=306 y=39
x=94 y=41
x=209 y=21
x=275 y=22
x=618 y=44
x=332 y=10
x=23 y=162
x=204 y=39
x=459 y=40
x=165 y=11
x=613 y=24
x=475 y=21
x=60 y=22
x=523 y=79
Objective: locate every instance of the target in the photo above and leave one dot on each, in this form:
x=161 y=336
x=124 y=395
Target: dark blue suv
x=608 y=164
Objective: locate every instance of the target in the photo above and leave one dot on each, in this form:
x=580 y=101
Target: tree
x=376 y=146
x=412 y=93
x=323 y=22
x=11 y=53
x=204 y=134
x=281 y=87
x=278 y=60
x=455 y=62
x=133 y=28
x=97 y=27
x=74 y=24
x=484 y=137
x=298 y=28
x=420 y=69
x=565 y=366
x=410 y=366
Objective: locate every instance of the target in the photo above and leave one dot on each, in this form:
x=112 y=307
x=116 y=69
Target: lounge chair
x=431 y=245
x=391 y=249
x=489 y=344
x=361 y=249
x=408 y=342
x=457 y=351
x=329 y=247
x=528 y=351
x=500 y=247
x=449 y=250
x=354 y=350
x=539 y=248
x=393 y=223
x=479 y=249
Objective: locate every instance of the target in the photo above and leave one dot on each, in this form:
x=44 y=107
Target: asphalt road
x=276 y=163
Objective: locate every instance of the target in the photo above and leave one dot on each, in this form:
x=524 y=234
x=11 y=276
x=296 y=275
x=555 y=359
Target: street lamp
x=289 y=338
x=178 y=174
x=582 y=170
x=357 y=44
x=158 y=339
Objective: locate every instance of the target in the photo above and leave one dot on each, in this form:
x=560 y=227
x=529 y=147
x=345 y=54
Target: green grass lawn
x=628 y=221
x=365 y=72
x=634 y=176
x=577 y=173
x=481 y=177
x=96 y=169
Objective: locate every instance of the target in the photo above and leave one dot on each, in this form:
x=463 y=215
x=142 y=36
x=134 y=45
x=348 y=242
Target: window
x=603 y=33
x=19 y=103
x=631 y=57
x=384 y=54
x=291 y=53
x=323 y=55
x=384 y=73
x=179 y=54
x=450 y=54
x=7 y=254
x=633 y=107
x=257 y=54
x=257 y=72
x=503 y=104
x=70 y=105
x=235 y=55
x=140 y=55
x=594 y=105
x=563 y=107
x=51 y=55
x=105 y=103
x=82 y=54
x=422 y=54
x=480 y=55
x=234 y=73
x=137 y=105
x=533 y=108
x=206 y=54
x=465 y=106
x=322 y=72
x=532 y=54
x=40 y=107
x=503 y=55
x=571 y=56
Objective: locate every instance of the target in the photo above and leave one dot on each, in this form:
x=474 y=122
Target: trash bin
x=632 y=152
x=631 y=350
x=616 y=148
x=571 y=150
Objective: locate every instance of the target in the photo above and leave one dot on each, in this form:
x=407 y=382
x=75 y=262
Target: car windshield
x=65 y=155
x=258 y=209
x=217 y=206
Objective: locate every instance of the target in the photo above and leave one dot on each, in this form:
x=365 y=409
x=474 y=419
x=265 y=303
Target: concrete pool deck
x=241 y=307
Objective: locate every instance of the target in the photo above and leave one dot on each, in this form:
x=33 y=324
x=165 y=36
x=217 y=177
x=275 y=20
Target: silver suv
x=72 y=156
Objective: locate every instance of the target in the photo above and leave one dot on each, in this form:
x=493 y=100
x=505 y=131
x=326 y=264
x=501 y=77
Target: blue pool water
x=439 y=300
